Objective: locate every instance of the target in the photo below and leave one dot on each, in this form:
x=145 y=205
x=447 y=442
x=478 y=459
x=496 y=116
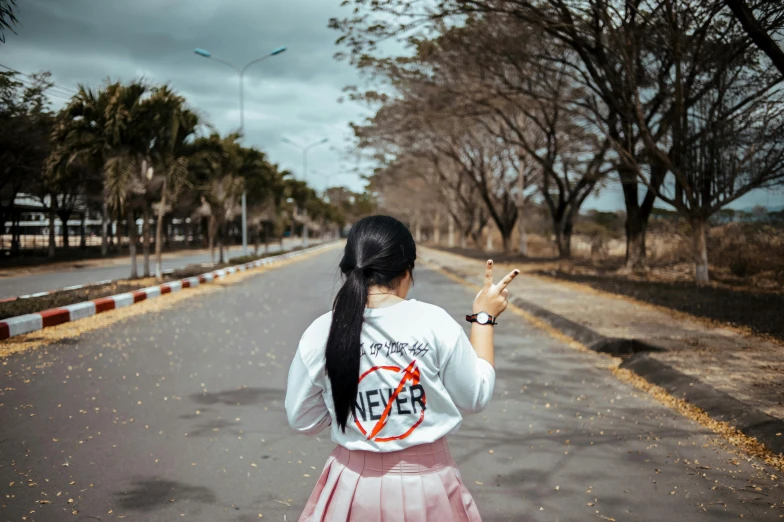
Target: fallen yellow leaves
x=748 y=445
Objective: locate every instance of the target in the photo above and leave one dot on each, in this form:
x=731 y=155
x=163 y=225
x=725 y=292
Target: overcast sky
x=294 y=94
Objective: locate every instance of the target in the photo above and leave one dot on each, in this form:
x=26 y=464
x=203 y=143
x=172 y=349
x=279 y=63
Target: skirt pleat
x=418 y=484
x=330 y=486
x=460 y=500
x=368 y=487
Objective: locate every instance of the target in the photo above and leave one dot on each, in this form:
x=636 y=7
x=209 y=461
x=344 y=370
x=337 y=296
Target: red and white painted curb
x=23 y=324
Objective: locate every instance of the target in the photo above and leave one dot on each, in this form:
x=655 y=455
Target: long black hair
x=379 y=251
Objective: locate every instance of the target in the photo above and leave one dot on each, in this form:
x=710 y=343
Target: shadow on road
x=154 y=493
x=239 y=397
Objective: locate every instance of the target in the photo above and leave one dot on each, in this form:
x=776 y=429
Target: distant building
x=33 y=217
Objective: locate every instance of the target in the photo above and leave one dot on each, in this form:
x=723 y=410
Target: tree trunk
x=146 y=237
x=119 y=238
x=83 y=230
x=169 y=231
x=211 y=238
x=563 y=237
x=15 y=246
x=700 y=250
x=506 y=241
x=132 y=243
x=489 y=240
x=523 y=248
x=64 y=220
x=221 y=235
x=104 y=229
x=437 y=229
x=417 y=230
x=451 y=239
x=463 y=240
x=159 y=233
x=635 y=239
x=635 y=236
x=52 y=221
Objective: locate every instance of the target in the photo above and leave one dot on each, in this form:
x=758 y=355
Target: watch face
x=482 y=318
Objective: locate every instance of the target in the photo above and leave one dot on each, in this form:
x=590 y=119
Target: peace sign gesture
x=493 y=298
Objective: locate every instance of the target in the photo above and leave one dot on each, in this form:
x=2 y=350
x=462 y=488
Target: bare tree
x=757 y=29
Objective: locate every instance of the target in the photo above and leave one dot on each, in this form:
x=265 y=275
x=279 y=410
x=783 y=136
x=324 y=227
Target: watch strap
x=471 y=318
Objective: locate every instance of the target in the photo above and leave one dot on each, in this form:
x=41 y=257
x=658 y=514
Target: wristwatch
x=481 y=318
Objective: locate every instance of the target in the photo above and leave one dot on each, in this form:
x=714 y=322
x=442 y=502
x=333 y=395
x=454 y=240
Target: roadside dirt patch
x=757 y=310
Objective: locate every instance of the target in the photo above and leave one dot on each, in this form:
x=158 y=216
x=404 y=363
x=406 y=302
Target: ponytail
x=379 y=250
x=343 y=344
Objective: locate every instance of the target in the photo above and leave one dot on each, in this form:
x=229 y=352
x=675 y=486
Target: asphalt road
x=179 y=415
x=46 y=281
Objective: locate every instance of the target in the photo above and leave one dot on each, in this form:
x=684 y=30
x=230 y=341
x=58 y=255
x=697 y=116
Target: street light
x=241 y=70
x=304 y=150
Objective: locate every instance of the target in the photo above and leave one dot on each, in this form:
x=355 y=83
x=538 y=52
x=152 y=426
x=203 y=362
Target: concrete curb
x=23 y=324
x=717 y=404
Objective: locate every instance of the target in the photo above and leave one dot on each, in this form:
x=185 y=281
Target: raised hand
x=493 y=298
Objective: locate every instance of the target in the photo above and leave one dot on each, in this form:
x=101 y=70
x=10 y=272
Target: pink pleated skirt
x=417 y=484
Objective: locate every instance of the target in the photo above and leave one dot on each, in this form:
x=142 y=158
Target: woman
x=390 y=376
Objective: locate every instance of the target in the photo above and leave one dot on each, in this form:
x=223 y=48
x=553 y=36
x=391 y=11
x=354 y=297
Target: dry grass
x=747 y=445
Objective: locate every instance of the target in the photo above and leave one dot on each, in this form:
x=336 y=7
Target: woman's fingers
x=489 y=273
x=508 y=279
x=505 y=293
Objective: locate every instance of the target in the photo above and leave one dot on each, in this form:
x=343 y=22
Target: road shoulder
x=686 y=357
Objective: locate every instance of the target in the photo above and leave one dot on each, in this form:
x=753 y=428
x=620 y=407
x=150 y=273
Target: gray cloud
x=294 y=94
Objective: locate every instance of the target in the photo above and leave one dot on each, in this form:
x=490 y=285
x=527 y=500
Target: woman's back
x=417 y=370
x=390 y=376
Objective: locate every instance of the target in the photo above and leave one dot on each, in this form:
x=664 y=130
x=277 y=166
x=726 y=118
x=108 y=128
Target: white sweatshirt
x=417 y=369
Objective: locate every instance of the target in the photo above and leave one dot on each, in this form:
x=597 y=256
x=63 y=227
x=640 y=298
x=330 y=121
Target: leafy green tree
x=25 y=125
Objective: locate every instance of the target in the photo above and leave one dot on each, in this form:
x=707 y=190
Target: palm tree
x=109 y=131
x=216 y=166
x=77 y=145
x=7 y=17
x=267 y=189
x=128 y=167
x=174 y=127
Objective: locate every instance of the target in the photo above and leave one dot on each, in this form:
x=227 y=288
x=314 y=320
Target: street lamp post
x=241 y=71
x=304 y=150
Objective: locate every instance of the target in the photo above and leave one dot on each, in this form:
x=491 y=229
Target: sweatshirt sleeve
x=468 y=379
x=305 y=407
